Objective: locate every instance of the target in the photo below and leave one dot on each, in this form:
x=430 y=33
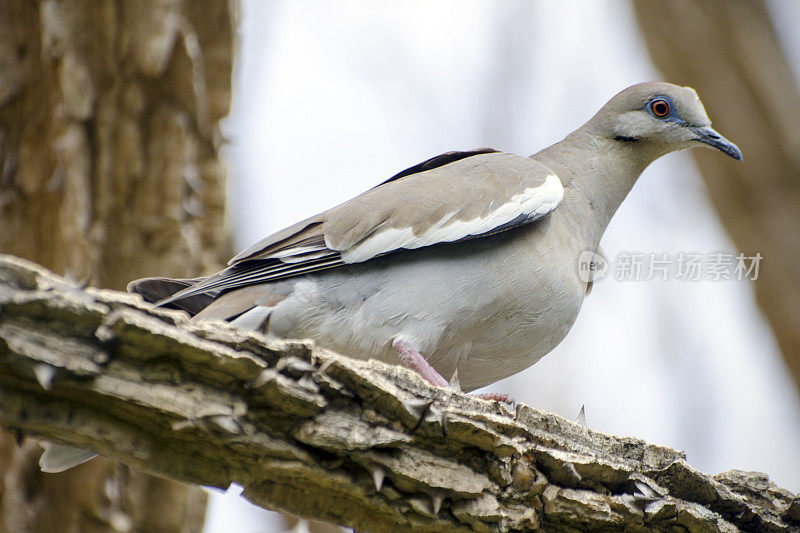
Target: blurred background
x=328 y=99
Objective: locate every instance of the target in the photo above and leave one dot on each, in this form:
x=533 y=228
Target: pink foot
x=414 y=360
x=498 y=397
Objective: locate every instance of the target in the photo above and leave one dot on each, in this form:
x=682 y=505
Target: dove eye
x=660 y=107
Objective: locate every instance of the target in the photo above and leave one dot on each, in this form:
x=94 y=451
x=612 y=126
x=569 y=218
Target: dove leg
x=412 y=359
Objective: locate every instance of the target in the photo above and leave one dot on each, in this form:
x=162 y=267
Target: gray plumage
x=470 y=259
x=463 y=266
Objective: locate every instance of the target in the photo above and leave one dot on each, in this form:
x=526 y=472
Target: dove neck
x=597 y=174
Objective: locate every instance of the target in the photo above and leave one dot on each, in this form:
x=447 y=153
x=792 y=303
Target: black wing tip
x=156 y=289
x=439 y=161
x=172 y=293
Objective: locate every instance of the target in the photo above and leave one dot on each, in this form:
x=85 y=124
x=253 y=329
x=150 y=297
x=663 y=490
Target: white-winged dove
x=466 y=264
x=467 y=261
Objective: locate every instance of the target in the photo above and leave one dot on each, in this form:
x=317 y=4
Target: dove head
x=660 y=118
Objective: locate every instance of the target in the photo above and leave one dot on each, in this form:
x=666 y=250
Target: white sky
x=331 y=98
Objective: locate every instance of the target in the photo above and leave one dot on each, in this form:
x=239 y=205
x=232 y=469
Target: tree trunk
x=109 y=171
x=729 y=52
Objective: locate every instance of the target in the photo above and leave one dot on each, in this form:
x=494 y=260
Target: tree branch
x=309 y=432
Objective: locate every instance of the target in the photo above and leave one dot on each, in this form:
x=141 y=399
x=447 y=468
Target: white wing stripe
x=534 y=202
x=297 y=250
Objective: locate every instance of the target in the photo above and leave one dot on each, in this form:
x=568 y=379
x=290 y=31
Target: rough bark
x=109 y=169
x=729 y=52
x=305 y=431
x=108 y=135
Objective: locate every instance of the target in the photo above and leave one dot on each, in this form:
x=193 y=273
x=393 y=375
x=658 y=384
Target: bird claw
x=500 y=397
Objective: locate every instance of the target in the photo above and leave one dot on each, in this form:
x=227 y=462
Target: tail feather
x=154 y=290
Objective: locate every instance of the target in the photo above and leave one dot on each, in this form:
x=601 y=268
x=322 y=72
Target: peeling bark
x=306 y=431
